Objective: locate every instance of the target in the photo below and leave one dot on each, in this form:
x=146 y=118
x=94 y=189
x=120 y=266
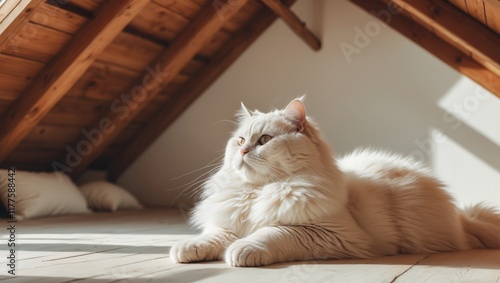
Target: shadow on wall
x=440 y=122
x=469 y=138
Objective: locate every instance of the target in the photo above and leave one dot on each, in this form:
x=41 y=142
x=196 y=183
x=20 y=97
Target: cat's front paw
x=193 y=250
x=248 y=253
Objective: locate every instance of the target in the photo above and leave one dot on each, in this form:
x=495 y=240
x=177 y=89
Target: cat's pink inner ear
x=296 y=112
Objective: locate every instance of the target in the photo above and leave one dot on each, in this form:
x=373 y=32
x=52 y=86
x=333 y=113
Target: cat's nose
x=244 y=151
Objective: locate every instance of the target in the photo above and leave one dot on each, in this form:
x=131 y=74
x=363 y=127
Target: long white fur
x=290 y=200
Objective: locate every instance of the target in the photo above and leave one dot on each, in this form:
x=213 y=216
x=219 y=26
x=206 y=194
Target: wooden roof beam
x=195 y=87
x=191 y=40
x=65 y=69
x=449 y=23
x=294 y=22
x=443 y=50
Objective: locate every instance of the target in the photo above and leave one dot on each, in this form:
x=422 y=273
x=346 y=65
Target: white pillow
x=41 y=194
x=106 y=196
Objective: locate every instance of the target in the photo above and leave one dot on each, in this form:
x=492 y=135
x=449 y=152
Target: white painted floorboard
x=133 y=247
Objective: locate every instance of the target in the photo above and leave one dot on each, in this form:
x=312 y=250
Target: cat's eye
x=264 y=139
x=240 y=141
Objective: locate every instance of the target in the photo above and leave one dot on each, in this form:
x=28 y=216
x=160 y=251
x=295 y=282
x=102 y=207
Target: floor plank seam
x=84 y=254
x=142 y=276
x=144 y=260
x=409 y=268
x=81 y=279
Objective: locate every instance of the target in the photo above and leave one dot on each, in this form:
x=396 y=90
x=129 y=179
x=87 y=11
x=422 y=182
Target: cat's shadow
x=480 y=259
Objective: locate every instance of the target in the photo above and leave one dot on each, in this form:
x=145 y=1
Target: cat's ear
x=244 y=112
x=296 y=112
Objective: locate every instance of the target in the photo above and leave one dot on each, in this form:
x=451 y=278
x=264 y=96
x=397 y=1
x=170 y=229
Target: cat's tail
x=482 y=227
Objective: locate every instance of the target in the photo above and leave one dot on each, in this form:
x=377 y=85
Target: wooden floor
x=133 y=247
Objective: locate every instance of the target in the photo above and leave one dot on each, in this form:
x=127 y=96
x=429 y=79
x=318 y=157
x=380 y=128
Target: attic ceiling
x=91 y=83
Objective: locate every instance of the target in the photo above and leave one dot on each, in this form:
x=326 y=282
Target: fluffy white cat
x=280 y=196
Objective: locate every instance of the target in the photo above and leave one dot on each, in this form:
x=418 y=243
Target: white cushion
x=106 y=196
x=42 y=194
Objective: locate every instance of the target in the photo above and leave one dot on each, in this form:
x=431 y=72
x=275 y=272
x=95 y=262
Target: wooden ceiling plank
x=494 y=3
x=294 y=22
x=475 y=8
x=8 y=30
x=58 y=19
x=460 y=4
x=159 y=22
x=153 y=80
x=41 y=44
x=492 y=16
x=435 y=45
x=58 y=77
x=186 y=96
x=449 y=23
x=187 y=9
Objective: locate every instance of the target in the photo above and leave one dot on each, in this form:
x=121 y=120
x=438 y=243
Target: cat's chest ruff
x=246 y=199
x=249 y=193
x=233 y=212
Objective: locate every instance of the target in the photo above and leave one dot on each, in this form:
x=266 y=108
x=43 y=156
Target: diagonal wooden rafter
x=294 y=22
x=440 y=48
x=186 y=96
x=59 y=76
x=449 y=23
x=210 y=20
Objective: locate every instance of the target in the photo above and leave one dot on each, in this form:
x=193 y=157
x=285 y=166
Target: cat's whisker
x=195 y=184
x=195 y=191
x=271 y=173
x=266 y=167
x=193 y=187
x=189 y=184
x=194 y=171
x=276 y=170
x=203 y=176
x=274 y=102
x=210 y=164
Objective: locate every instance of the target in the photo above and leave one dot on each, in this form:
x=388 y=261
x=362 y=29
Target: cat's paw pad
x=193 y=250
x=246 y=253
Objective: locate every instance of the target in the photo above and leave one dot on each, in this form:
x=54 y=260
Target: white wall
x=391 y=95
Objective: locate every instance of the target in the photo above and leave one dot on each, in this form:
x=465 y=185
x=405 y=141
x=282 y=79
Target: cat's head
x=273 y=146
